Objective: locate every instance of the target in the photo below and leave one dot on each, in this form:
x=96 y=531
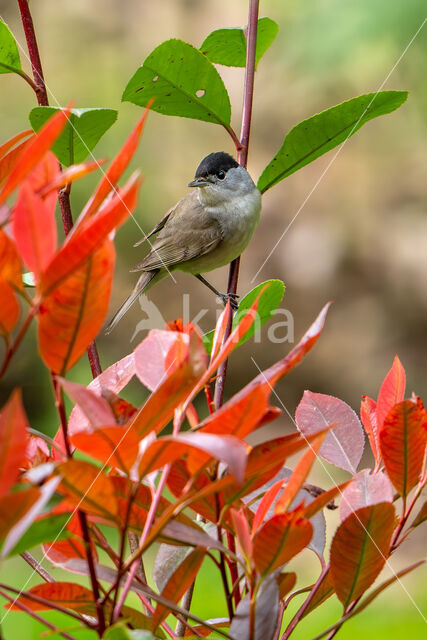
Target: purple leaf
x=364 y=490
x=266 y=613
x=95 y=407
x=343 y=446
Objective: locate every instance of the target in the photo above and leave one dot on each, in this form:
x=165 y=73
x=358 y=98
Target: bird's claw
x=225 y=297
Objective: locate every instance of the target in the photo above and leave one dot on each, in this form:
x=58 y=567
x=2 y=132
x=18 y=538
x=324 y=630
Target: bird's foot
x=232 y=297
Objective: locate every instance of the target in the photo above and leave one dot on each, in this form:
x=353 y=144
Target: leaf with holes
x=267 y=306
x=391 y=392
x=343 y=445
x=228 y=46
x=359 y=550
x=365 y=489
x=84 y=129
x=182 y=82
x=179 y=582
x=315 y=136
x=9 y=55
x=280 y=539
x=403 y=439
x=71 y=316
x=13 y=436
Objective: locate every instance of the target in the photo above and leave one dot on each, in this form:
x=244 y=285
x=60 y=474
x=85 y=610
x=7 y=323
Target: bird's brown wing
x=159 y=226
x=185 y=234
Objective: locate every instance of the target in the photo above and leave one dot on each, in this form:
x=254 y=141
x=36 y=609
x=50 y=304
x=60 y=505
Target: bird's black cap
x=215 y=162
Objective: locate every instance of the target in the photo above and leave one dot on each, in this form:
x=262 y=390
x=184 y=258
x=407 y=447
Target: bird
x=207 y=229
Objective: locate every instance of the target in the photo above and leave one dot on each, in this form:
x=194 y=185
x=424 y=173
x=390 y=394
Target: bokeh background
x=360 y=235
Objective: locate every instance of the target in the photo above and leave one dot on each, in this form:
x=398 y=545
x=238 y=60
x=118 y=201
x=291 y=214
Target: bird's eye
x=221 y=175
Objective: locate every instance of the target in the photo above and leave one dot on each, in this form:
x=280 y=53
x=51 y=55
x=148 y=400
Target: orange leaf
x=34 y=229
x=6 y=146
x=179 y=582
x=14 y=506
x=299 y=475
x=83 y=240
x=9 y=308
x=117 y=167
x=279 y=540
x=88 y=488
x=13 y=435
x=66 y=594
x=392 y=390
x=286 y=582
x=368 y=416
x=183 y=369
x=403 y=439
x=10 y=264
x=243 y=534
x=116 y=446
x=359 y=550
x=8 y=161
x=266 y=503
x=71 y=316
x=34 y=151
x=69 y=175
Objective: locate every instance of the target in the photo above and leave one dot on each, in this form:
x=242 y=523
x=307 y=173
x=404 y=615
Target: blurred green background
x=360 y=229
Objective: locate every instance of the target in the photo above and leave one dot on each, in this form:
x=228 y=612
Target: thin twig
x=34 y=615
x=36 y=566
x=299 y=614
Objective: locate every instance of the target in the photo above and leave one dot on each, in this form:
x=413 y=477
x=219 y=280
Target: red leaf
x=10 y=264
x=368 y=416
x=69 y=175
x=37 y=452
x=266 y=503
x=84 y=239
x=184 y=368
x=243 y=534
x=286 y=582
x=9 y=308
x=359 y=550
x=343 y=445
x=299 y=475
x=220 y=329
x=150 y=356
x=71 y=315
x=87 y=487
x=66 y=594
x=46 y=171
x=13 y=435
x=365 y=489
x=166 y=449
x=392 y=391
x=34 y=229
x=117 y=167
x=95 y=407
x=279 y=540
x=6 y=146
x=178 y=478
x=34 y=151
x=403 y=439
x=13 y=508
x=8 y=161
x=116 y=446
x=246 y=409
x=179 y=582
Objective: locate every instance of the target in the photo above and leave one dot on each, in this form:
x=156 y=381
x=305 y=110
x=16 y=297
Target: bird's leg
x=225 y=297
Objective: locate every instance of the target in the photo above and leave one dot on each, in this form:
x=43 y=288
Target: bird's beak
x=199 y=182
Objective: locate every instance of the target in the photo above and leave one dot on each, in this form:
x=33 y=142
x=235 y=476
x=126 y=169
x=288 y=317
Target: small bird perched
x=207 y=229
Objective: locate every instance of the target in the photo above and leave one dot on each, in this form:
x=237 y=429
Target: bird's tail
x=142 y=284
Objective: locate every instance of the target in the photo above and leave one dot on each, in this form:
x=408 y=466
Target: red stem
x=299 y=614
x=242 y=158
x=42 y=99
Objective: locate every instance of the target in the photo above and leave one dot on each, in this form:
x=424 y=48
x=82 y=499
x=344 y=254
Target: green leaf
x=9 y=55
x=81 y=133
x=315 y=136
x=267 y=305
x=45 y=530
x=228 y=46
x=183 y=82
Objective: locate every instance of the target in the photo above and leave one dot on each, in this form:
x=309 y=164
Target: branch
x=299 y=614
x=242 y=158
